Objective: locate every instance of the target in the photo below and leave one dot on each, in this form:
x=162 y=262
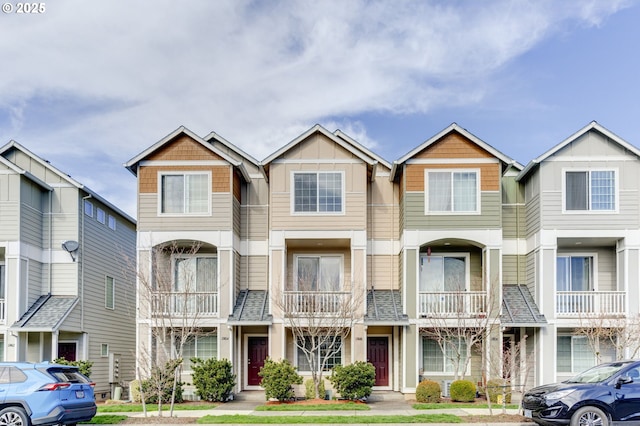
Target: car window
x=4 y=375
x=598 y=373
x=634 y=373
x=67 y=375
x=16 y=375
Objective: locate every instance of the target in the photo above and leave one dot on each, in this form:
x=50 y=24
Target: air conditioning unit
x=446 y=386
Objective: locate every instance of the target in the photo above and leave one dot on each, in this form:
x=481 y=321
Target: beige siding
x=490 y=216
x=221 y=218
x=383 y=272
x=253 y=272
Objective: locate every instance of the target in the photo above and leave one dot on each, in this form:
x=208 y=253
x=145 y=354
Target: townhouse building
x=440 y=264
x=67 y=277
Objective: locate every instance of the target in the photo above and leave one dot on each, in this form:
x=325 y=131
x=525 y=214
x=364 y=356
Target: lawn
x=253 y=419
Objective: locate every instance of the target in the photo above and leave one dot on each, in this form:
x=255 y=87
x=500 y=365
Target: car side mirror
x=623 y=380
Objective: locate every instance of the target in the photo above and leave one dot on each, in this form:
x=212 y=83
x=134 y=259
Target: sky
x=89 y=85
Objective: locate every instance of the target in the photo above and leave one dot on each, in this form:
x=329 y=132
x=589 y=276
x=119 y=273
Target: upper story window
x=574 y=273
x=443 y=272
x=185 y=193
x=318 y=192
x=100 y=215
x=196 y=274
x=112 y=222
x=318 y=273
x=593 y=190
x=452 y=191
x=88 y=208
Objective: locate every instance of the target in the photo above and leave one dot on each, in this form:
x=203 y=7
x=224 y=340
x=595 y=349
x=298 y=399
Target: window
x=436 y=361
x=112 y=222
x=318 y=192
x=109 y=293
x=574 y=354
x=593 y=190
x=100 y=215
x=196 y=274
x=104 y=350
x=328 y=350
x=452 y=191
x=574 y=273
x=88 y=208
x=185 y=193
x=203 y=347
x=442 y=272
x=2 y=296
x=318 y=273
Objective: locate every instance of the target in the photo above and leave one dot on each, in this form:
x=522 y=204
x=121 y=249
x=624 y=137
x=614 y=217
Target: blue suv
x=44 y=394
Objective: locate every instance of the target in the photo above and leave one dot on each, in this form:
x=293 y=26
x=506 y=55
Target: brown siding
x=453 y=145
x=489 y=174
x=237 y=189
x=183 y=148
x=148 y=177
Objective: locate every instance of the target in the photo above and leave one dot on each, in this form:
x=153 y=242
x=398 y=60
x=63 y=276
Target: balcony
x=452 y=304
x=576 y=304
x=174 y=304
x=329 y=303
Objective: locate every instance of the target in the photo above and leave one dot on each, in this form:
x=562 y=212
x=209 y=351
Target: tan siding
x=383 y=222
x=355 y=217
x=383 y=272
x=253 y=272
x=221 y=218
x=258 y=223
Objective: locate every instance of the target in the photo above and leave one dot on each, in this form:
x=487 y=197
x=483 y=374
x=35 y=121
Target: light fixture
x=71 y=247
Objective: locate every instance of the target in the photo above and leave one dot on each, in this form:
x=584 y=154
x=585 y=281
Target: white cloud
x=258 y=73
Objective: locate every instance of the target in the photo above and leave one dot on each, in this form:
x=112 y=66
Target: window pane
x=464 y=192
x=308 y=269
x=456 y=353
x=305 y=195
x=563 y=350
x=329 y=274
x=330 y=192
x=583 y=356
x=431 y=273
x=432 y=359
x=576 y=191
x=172 y=194
x=562 y=274
x=206 y=274
x=197 y=193
x=580 y=273
x=184 y=274
x=602 y=190
x=454 y=274
x=439 y=191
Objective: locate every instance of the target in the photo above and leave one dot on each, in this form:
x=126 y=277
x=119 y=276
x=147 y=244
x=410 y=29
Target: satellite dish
x=71 y=247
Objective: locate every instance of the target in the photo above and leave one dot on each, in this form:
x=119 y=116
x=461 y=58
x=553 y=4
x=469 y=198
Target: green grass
x=137 y=408
x=253 y=419
x=347 y=406
x=107 y=419
x=447 y=405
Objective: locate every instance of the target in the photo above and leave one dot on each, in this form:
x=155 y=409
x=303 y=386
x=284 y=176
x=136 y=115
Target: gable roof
x=15 y=145
x=589 y=127
x=46 y=314
x=232 y=147
x=132 y=165
x=339 y=138
x=453 y=127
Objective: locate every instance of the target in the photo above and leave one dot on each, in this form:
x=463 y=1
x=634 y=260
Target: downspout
x=50 y=241
x=82 y=263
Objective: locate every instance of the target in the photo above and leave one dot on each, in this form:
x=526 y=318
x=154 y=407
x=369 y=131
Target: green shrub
x=134 y=391
x=462 y=391
x=277 y=379
x=161 y=383
x=83 y=366
x=428 y=391
x=214 y=379
x=310 y=389
x=354 y=381
x=495 y=388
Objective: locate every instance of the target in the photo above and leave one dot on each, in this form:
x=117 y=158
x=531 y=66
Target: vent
x=446 y=386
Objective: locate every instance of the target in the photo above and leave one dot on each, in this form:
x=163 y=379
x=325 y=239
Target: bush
x=83 y=366
x=161 y=383
x=214 y=379
x=134 y=391
x=354 y=381
x=495 y=388
x=277 y=379
x=462 y=391
x=428 y=391
x=310 y=389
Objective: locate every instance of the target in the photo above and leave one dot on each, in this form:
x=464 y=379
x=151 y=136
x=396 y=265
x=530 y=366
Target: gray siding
x=490 y=217
x=514 y=269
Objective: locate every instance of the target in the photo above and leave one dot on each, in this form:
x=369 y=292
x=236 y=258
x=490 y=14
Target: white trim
x=588 y=171
x=162 y=173
x=292 y=193
x=452 y=212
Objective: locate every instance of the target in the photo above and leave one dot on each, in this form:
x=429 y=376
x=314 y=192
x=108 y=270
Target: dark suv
x=44 y=394
x=602 y=395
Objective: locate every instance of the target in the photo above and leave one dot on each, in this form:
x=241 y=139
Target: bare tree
x=175 y=288
x=320 y=320
x=619 y=333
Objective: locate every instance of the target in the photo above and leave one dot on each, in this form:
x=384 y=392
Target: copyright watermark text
x=24 y=8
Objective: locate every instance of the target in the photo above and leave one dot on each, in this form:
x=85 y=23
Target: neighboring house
x=449 y=258
x=583 y=232
x=64 y=286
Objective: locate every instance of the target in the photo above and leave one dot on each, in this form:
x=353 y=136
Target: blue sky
x=88 y=88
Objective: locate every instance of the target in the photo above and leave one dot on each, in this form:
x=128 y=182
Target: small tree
x=161 y=386
x=277 y=379
x=354 y=381
x=214 y=379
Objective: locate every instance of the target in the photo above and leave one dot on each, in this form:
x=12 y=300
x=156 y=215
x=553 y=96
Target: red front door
x=378 y=355
x=67 y=351
x=258 y=352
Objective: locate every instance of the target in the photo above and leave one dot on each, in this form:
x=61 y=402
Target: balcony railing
x=459 y=304
x=310 y=302
x=188 y=304
x=3 y=312
x=590 y=303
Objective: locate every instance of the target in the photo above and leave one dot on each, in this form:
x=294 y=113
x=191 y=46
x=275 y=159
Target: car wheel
x=14 y=416
x=589 y=416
